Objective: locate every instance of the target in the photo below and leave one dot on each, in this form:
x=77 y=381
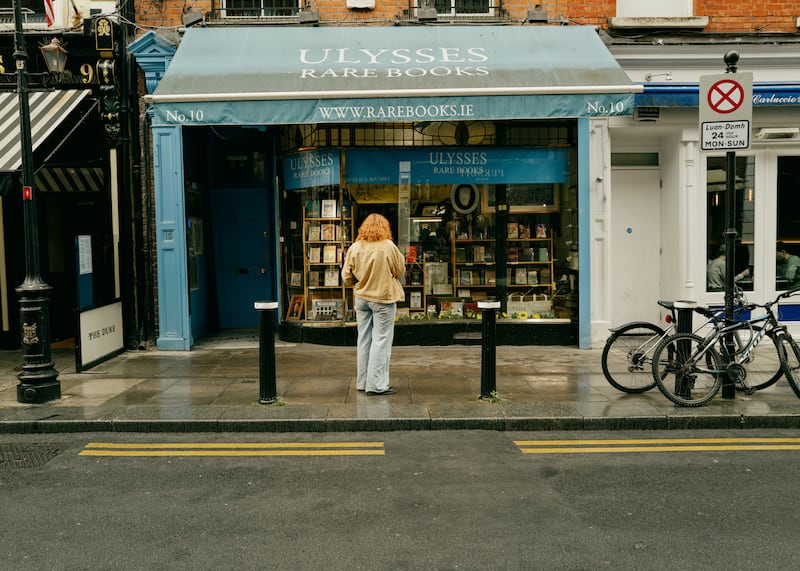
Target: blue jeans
x=375 y=335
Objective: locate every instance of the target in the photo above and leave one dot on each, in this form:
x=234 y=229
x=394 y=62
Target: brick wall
x=725 y=16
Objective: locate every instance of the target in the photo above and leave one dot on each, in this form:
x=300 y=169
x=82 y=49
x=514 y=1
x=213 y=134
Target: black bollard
x=266 y=352
x=685 y=310
x=488 y=349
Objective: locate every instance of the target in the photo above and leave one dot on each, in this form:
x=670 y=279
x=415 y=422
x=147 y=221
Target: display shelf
x=414 y=286
x=327 y=233
x=529 y=261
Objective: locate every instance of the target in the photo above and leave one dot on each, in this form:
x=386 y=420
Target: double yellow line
x=655 y=445
x=233 y=449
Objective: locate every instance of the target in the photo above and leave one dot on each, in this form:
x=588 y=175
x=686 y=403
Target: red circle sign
x=725 y=96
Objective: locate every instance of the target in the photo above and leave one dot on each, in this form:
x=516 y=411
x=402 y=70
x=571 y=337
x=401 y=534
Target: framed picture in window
x=295 y=310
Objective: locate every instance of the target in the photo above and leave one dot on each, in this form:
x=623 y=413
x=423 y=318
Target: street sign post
x=726 y=116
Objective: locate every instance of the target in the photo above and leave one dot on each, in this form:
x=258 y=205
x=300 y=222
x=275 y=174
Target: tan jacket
x=372 y=268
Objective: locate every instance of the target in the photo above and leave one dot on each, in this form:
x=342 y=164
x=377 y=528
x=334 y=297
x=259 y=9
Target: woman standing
x=372 y=266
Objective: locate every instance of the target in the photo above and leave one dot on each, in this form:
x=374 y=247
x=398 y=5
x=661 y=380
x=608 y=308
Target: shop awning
x=774 y=94
x=48 y=110
x=241 y=75
x=70 y=179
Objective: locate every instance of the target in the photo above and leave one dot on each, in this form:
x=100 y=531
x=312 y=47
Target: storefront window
x=474 y=220
x=473 y=224
x=716 y=223
x=787 y=249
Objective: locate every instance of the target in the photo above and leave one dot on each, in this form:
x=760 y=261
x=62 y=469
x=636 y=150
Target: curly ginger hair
x=374 y=229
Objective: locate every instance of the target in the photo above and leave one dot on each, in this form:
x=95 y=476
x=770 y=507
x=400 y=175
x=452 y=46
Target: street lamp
x=38 y=381
x=55 y=56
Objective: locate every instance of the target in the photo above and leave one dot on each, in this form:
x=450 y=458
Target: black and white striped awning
x=48 y=110
x=70 y=179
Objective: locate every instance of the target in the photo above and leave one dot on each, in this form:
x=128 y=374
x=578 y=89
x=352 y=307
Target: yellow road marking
x=601 y=446
x=651 y=441
x=154 y=453
x=230 y=445
x=160 y=449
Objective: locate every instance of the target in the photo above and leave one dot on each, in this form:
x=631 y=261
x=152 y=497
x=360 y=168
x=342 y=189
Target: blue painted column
x=174 y=328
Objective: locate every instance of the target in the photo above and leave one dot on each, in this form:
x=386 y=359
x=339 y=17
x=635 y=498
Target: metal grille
x=17 y=456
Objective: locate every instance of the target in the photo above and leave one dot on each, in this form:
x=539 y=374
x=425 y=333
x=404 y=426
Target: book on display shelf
x=329 y=208
x=328 y=232
x=331 y=277
x=330 y=254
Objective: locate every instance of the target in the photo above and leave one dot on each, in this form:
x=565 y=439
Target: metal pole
x=685 y=311
x=268 y=392
x=728 y=387
x=488 y=349
x=39 y=378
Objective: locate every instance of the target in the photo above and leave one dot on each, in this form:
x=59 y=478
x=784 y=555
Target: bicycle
x=688 y=369
x=628 y=352
x=627 y=355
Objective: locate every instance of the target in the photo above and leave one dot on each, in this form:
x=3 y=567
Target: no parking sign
x=726 y=111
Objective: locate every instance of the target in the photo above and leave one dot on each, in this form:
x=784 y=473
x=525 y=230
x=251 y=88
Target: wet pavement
x=216 y=386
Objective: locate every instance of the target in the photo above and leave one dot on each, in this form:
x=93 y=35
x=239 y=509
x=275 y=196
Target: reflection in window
x=716 y=195
x=787 y=250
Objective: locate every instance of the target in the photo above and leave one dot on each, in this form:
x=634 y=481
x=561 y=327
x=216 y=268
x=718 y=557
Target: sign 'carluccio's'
x=393 y=63
x=363 y=74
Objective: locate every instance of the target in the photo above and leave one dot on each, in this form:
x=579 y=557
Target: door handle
x=263 y=271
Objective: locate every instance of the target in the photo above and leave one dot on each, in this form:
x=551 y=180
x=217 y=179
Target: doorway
x=635 y=278
x=242 y=226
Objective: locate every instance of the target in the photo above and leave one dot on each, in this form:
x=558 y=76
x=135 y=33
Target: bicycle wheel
x=685 y=372
x=627 y=356
x=790 y=360
x=760 y=369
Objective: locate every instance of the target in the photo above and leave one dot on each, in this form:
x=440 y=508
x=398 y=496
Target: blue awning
x=243 y=75
x=687 y=95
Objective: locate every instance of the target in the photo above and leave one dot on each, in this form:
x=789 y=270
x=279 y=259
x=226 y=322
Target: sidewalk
x=215 y=388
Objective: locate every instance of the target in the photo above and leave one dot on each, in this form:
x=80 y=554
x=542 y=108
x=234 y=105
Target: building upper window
x=457 y=7
x=664 y=14
x=662 y=9
x=453 y=8
x=32 y=12
x=260 y=8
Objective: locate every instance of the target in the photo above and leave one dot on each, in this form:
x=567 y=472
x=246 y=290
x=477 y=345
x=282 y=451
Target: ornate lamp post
x=39 y=378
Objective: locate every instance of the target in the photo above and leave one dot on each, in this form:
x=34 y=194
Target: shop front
x=474 y=143
x=677 y=233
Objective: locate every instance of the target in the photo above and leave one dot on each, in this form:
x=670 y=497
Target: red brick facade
x=724 y=16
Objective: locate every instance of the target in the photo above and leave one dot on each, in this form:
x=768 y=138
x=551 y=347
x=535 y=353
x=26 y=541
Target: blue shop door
x=244 y=261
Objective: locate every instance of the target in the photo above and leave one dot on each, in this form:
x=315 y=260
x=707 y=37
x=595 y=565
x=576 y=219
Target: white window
x=660 y=9
x=260 y=8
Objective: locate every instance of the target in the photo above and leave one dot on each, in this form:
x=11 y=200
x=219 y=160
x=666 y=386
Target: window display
x=464 y=241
